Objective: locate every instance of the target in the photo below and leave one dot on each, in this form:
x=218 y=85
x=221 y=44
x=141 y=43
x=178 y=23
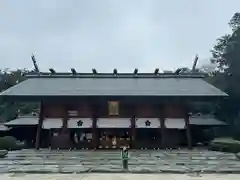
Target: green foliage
x=225 y=145
x=226 y=55
x=8 y=143
x=235 y=21
x=233 y=148
x=10 y=110
x=3 y=153
x=219 y=50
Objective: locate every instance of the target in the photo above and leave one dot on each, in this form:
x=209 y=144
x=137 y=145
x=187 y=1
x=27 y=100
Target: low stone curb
x=119 y=171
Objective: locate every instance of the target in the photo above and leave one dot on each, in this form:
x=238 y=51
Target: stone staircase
x=141 y=161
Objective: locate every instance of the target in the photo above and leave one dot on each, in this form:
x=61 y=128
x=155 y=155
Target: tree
x=10 y=110
x=226 y=55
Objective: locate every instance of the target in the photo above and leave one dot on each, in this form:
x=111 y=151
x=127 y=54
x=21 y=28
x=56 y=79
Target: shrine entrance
x=81 y=138
x=148 y=138
x=148 y=133
x=114 y=138
x=113 y=132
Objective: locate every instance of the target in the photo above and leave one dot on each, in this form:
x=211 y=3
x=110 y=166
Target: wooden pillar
x=65 y=120
x=63 y=139
x=95 y=133
x=188 y=131
x=94 y=126
x=133 y=131
x=39 y=127
x=162 y=123
x=133 y=125
x=49 y=138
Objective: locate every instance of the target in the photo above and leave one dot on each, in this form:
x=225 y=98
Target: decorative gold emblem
x=113 y=108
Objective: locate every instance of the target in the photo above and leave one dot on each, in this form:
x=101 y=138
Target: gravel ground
x=117 y=177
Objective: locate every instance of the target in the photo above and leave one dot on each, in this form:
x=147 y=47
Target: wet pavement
x=141 y=161
x=121 y=176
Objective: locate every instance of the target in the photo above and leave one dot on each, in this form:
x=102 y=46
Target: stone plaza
x=115 y=176
x=141 y=161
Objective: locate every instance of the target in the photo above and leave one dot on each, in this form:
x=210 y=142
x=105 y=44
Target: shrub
x=236 y=136
x=225 y=145
x=3 y=153
x=8 y=143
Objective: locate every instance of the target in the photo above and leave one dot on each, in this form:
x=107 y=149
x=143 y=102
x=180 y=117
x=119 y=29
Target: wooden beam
x=39 y=127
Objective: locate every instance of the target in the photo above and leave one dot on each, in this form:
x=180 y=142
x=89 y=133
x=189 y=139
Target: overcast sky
x=107 y=34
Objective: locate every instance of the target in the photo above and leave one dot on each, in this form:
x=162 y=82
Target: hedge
x=8 y=143
x=225 y=145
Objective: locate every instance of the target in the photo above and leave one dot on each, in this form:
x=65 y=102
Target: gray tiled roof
x=113 y=86
x=205 y=121
x=23 y=121
x=4 y=128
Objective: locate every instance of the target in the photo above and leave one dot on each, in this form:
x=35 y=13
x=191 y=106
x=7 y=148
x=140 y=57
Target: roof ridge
x=111 y=75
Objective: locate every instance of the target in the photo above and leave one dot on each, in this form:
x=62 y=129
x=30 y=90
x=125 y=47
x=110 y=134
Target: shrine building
x=112 y=110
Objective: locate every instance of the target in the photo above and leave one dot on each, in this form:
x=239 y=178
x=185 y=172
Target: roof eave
x=150 y=98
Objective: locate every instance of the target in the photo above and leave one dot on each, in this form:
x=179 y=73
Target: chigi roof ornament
x=52 y=71
x=135 y=71
x=74 y=72
x=95 y=74
x=94 y=71
x=156 y=71
x=115 y=72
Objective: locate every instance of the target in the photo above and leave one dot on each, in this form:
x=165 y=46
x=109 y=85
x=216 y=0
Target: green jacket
x=124 y=155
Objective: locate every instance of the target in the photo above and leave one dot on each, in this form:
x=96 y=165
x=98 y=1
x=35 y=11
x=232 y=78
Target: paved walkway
x=118 y=177
x=175 y=161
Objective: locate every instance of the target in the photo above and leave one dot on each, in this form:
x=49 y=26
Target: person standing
x=125 y=156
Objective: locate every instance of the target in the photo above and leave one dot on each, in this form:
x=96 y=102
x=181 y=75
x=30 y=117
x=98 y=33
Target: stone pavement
x=141 y=161
x=118 y=177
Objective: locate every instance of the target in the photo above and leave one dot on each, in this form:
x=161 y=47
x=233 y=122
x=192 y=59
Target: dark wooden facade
x=57 y=110
x=169 y=137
